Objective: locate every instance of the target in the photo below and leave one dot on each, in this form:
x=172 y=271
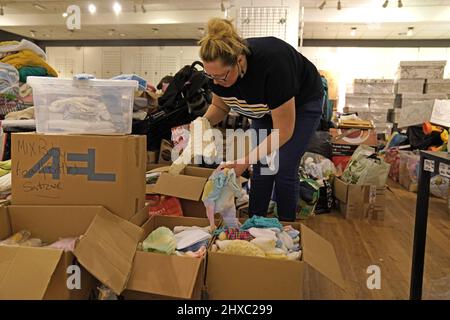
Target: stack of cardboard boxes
x=419 y=84
x=372 y=99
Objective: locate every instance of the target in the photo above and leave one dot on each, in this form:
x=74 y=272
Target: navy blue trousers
x=286 y=179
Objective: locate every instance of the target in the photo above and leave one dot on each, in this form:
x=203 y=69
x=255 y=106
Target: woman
x=270 y=82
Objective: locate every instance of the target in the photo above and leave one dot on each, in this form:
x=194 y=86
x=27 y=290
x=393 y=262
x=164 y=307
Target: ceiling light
x=39 y=6
x=353 y=31
x=117 y=8
x=122 y=34
x=2 y=12
x=111 y=32
x=47 y=35
x=385 y=4
x=92 y=8
x=143 y=8
x=339 y=6
x=322 y=5
x=65 y=14
x=155 y=30
x=410 y=31
x=33 y=33
x=400 y=3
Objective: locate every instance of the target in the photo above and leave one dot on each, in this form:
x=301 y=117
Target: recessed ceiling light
x=47 y=35
x=117 y=8
x=353 y=31
x=65 y=14
x=122 y=34
x=92 y=8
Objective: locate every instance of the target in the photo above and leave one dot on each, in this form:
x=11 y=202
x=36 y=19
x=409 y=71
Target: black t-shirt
x=276 y=72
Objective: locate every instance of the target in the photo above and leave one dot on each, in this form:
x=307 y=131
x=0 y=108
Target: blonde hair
x=222 y=42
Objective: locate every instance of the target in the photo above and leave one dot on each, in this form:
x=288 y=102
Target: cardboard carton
x=360 y=201
x=106 y=250
x=79 y=170
x=160 y=276
x=253 y=278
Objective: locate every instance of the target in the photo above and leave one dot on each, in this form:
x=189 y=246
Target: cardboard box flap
x=340 y=190
x=320 y=254
x=25 y=273
x=108 y=248
x=165 y=275
x=180 y=186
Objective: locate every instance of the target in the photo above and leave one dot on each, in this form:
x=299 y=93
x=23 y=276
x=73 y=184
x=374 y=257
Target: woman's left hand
x=239 y=166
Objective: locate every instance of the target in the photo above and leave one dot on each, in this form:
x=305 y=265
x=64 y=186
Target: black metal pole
x=420 y=231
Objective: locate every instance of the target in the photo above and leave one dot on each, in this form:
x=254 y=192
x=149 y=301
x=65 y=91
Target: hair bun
x=220 y=28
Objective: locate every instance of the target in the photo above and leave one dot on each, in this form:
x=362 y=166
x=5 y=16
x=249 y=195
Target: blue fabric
x=261 y=222
x=293 y=233
x=286 y=179
x=142 y=82
x=196 y=246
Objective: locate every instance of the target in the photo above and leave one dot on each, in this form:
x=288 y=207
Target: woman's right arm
x=217 y=111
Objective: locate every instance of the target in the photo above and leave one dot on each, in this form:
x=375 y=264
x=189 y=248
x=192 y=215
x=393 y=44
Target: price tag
x=428 y=165
x=444 y=170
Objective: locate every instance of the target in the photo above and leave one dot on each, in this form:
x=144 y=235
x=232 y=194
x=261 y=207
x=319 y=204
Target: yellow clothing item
x=28 y=58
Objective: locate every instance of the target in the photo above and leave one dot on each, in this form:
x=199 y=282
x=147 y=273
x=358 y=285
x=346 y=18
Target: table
x=430 y=162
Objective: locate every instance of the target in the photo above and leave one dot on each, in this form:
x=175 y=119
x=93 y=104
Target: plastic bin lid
x=69 y=82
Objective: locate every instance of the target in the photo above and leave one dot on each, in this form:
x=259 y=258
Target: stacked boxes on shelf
x=372 y=99
x=418 y=84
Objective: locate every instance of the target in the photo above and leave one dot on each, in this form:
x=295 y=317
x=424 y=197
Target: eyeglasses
x=217 y=78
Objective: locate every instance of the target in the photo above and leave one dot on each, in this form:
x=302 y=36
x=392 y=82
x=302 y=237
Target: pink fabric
x=67 y=244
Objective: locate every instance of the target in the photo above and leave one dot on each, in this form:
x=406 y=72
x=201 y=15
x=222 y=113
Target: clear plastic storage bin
x=94 y=106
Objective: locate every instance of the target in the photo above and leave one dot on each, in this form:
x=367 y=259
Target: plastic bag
x=363 y=169
x=317 y=166
x=164 y=206
x=439 y=186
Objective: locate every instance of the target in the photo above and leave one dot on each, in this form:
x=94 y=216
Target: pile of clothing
x=23 y=238
x=19 y=60
x=5 y=179
x=260 y=237
x=182 y=241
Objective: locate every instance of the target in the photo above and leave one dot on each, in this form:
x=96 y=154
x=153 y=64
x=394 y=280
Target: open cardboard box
x=360 y=201
x=187 y=186
x=253 y=278
x=160 y=276
x=106 y=251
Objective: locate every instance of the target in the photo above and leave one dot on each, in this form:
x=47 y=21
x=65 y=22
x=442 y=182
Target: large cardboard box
x=79 y=170
x=373 y=86
x=360 y=201
x=160 y=276
x=345 y=141
x=253 y=278
x=106 y=251
x=421 y=69
x=438 y=86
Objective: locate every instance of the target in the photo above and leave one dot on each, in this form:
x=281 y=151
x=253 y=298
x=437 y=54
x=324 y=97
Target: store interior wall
x=153 y=63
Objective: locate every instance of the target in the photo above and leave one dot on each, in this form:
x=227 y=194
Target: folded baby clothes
x=26 y=72
x=160 y=240
x=286 y=239
x=235 y=234
x=265 y=244
x=261 y=222
x=9 y=80
x=15 y=46
x=264 y=233
x=243 y=248
x=190 y=237
x=28 y=58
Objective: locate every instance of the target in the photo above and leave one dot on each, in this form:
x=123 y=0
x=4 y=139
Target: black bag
x=320 y=143
x=186 y=98
x=326 y=199
x=418 y=139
